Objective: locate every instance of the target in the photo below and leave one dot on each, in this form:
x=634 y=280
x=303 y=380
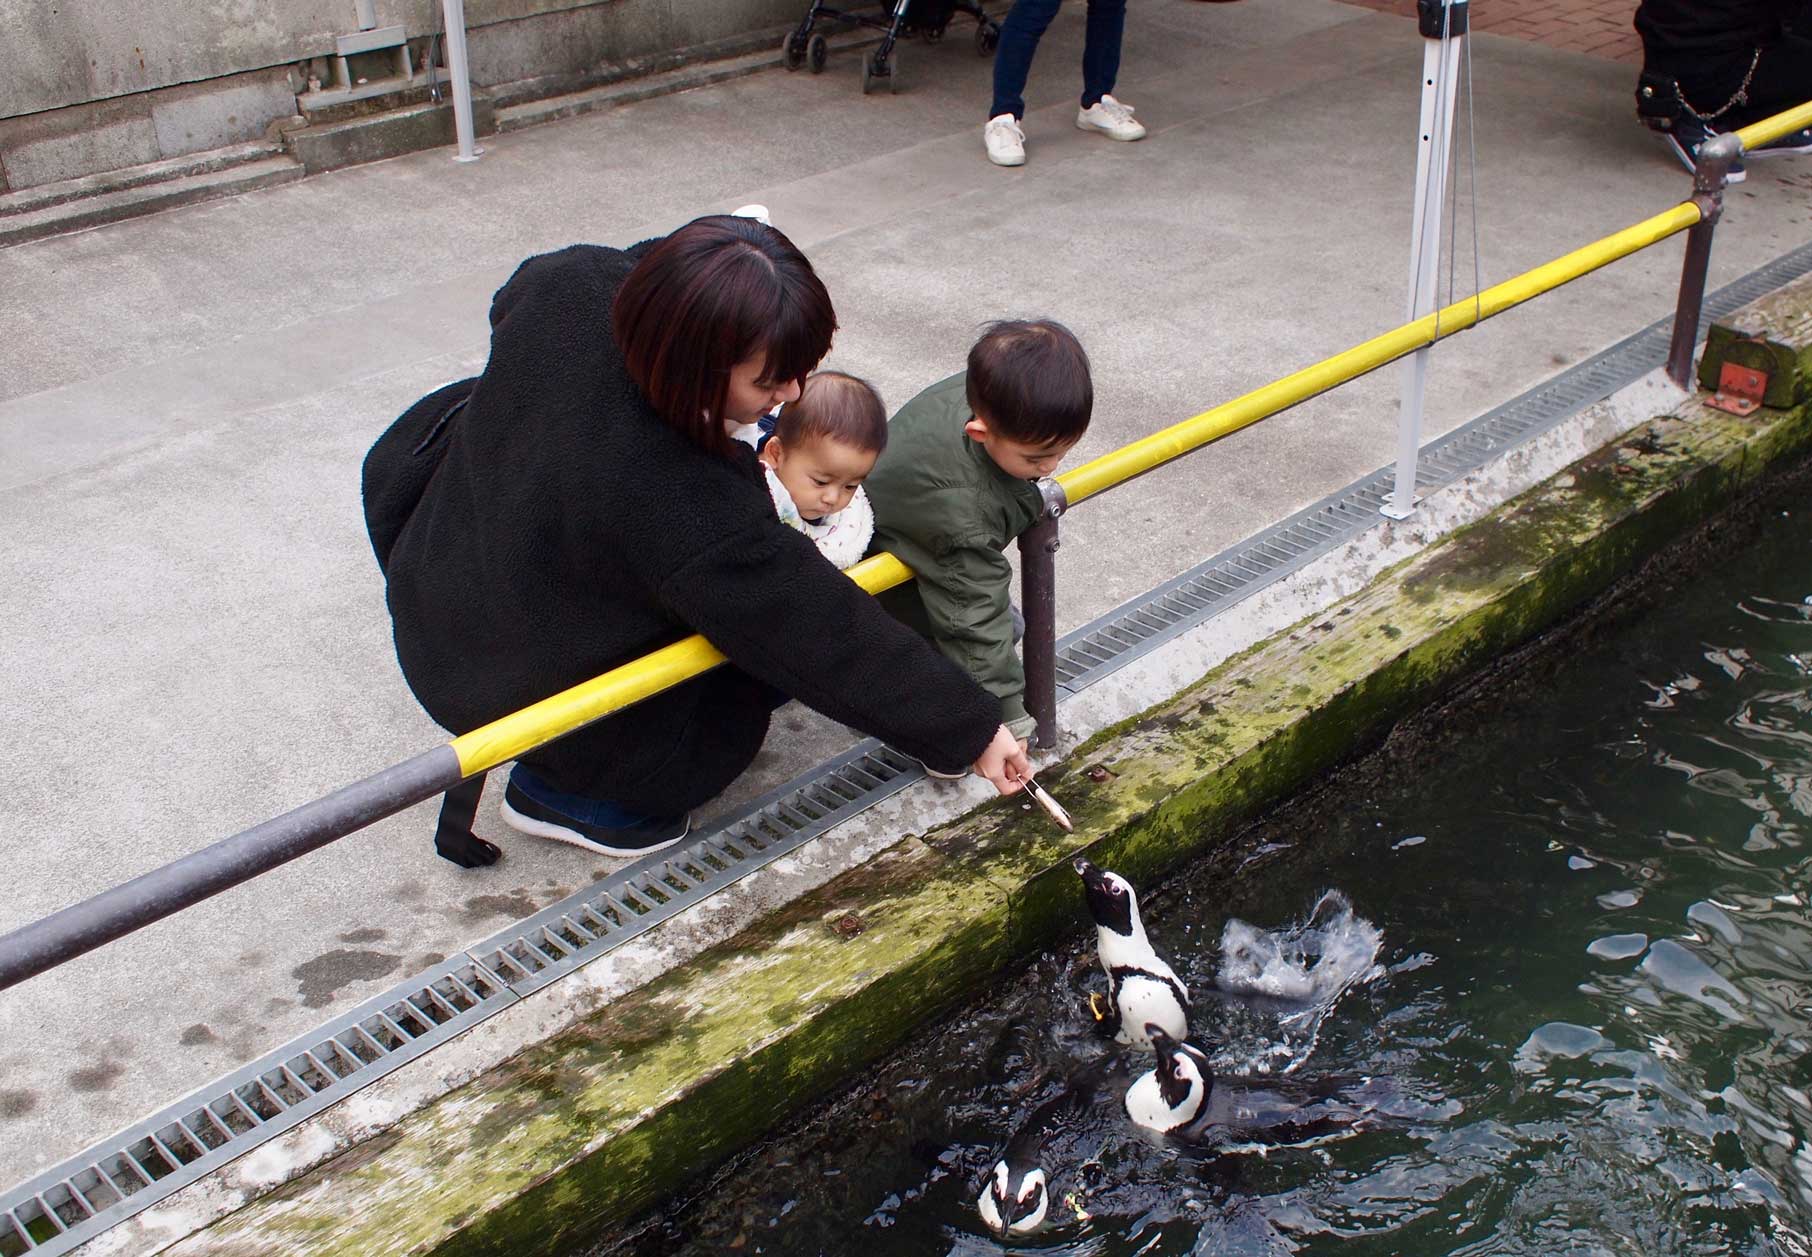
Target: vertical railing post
x=1444 y=25
x=453 y=14
x=1038 y=594
x=1710 y=175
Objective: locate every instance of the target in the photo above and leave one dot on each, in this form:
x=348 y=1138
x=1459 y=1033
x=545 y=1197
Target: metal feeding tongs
x=1045 y=801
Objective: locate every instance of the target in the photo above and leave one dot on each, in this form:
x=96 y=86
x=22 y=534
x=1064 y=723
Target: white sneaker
x=758 y=212
x=1111 y=118
x=1006 y=142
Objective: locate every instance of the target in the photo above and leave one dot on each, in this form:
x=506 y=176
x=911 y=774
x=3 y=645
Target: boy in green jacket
x=955 y=486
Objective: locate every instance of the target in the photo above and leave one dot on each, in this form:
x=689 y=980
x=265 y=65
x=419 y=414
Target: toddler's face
x=821 y=476
x=1017 y=458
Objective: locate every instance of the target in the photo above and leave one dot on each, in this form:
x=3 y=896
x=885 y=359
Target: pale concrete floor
x=196 y=637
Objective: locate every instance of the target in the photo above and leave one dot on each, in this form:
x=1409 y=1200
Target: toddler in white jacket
x=817 y=451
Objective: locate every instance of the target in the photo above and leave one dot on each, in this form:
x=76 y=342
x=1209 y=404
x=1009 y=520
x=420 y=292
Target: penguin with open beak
x=1142 y=989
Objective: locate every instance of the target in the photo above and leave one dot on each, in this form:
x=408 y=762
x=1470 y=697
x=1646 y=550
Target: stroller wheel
x=815 y=53
x=933 y=34
x=792 y=51
x=987 y=39
x=878 y=72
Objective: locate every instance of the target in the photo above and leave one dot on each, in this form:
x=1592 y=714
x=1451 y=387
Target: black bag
x=1658 y=101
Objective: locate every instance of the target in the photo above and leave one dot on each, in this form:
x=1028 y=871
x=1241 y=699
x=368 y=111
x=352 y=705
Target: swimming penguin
x=1017 y=1195
x=1142 y=989
x=1179 y=1098
x=1174 y=1094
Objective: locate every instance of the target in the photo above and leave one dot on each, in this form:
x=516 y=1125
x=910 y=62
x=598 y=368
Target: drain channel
x=532 y=953
x=138 y=1167
x=122 y=1175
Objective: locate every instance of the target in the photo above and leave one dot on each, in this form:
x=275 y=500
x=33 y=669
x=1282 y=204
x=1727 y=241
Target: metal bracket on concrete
x=1740 y=390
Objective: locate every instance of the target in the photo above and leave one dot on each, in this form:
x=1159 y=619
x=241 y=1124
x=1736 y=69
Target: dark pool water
x=1587 y=1020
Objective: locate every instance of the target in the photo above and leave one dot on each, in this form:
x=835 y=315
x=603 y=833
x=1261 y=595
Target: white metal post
x=453 y=14
x=1434 y=144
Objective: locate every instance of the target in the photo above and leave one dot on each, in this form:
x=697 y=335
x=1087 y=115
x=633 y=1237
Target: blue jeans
x=1019 y=36
x=601 y=812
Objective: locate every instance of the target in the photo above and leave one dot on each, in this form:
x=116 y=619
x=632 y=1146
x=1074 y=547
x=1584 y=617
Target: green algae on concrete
x=587 y=1129
x=595 y=1124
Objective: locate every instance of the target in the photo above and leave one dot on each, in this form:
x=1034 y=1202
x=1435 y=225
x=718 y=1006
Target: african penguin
x=1142 y=989
x=1175 y=1094
x=1016 y=1196
x=1180 y=1099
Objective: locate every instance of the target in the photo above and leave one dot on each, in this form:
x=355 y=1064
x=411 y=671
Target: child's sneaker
x=1112 y=119
x=1687 y=135
x=1794 y=142
x=1005 y=141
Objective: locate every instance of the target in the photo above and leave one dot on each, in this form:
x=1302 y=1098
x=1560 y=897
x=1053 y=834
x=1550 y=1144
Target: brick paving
x=1598 y=28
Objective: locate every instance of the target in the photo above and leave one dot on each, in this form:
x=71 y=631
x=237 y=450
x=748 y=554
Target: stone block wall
x=88 y=86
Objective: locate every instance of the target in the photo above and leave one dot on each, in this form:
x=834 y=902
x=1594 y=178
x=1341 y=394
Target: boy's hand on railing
x=1004 y=762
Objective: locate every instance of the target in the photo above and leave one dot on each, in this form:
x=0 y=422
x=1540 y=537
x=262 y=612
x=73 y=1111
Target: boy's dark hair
x=1029 y=381
x=834 y=406
x=705 y=298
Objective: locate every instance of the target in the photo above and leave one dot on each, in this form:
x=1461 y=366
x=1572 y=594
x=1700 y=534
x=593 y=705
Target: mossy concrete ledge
x=543 y=1154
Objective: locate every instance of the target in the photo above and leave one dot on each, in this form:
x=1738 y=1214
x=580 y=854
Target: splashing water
x=1299 y=971
x=1312 y=961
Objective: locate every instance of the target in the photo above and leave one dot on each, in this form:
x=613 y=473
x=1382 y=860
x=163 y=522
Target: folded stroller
x=924 y=18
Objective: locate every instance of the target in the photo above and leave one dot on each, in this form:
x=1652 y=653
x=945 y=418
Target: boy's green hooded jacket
x=947 y=510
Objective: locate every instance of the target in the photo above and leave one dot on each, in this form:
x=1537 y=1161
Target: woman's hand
x=1004 y=762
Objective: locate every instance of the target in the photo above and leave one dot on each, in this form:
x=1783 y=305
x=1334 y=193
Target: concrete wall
x=92 y=85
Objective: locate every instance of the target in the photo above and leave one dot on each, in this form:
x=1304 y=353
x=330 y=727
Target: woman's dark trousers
x=1019 y=36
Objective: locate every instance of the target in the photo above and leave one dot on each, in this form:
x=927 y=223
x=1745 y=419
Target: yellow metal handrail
x=1769 y=130
x=503 y=740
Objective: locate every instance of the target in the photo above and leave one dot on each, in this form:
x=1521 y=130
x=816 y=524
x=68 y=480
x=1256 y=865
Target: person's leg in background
x=1100 y=68
x=1101 y=51
x=1024 y=26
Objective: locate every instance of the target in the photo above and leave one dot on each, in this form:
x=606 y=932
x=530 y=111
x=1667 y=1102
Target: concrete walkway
x=196 y=637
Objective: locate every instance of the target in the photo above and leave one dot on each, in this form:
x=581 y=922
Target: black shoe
x=1794 y=143
x=1687 y=135
x=522 y=813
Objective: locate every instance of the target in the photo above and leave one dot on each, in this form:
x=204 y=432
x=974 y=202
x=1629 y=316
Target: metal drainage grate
x=121 y=1176
x=1142 y=625
x=532 y=953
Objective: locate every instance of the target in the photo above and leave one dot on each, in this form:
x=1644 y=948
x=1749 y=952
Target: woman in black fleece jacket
x=554 y=518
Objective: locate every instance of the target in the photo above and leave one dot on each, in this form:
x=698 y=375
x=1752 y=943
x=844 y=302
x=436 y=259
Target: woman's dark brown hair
x=704 y=299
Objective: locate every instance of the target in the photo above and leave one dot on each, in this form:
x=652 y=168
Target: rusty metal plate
x=1740 y=389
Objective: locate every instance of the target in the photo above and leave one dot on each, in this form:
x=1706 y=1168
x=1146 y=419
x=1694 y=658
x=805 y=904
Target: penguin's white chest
x=1146 y=1106
x=1144 y=1000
